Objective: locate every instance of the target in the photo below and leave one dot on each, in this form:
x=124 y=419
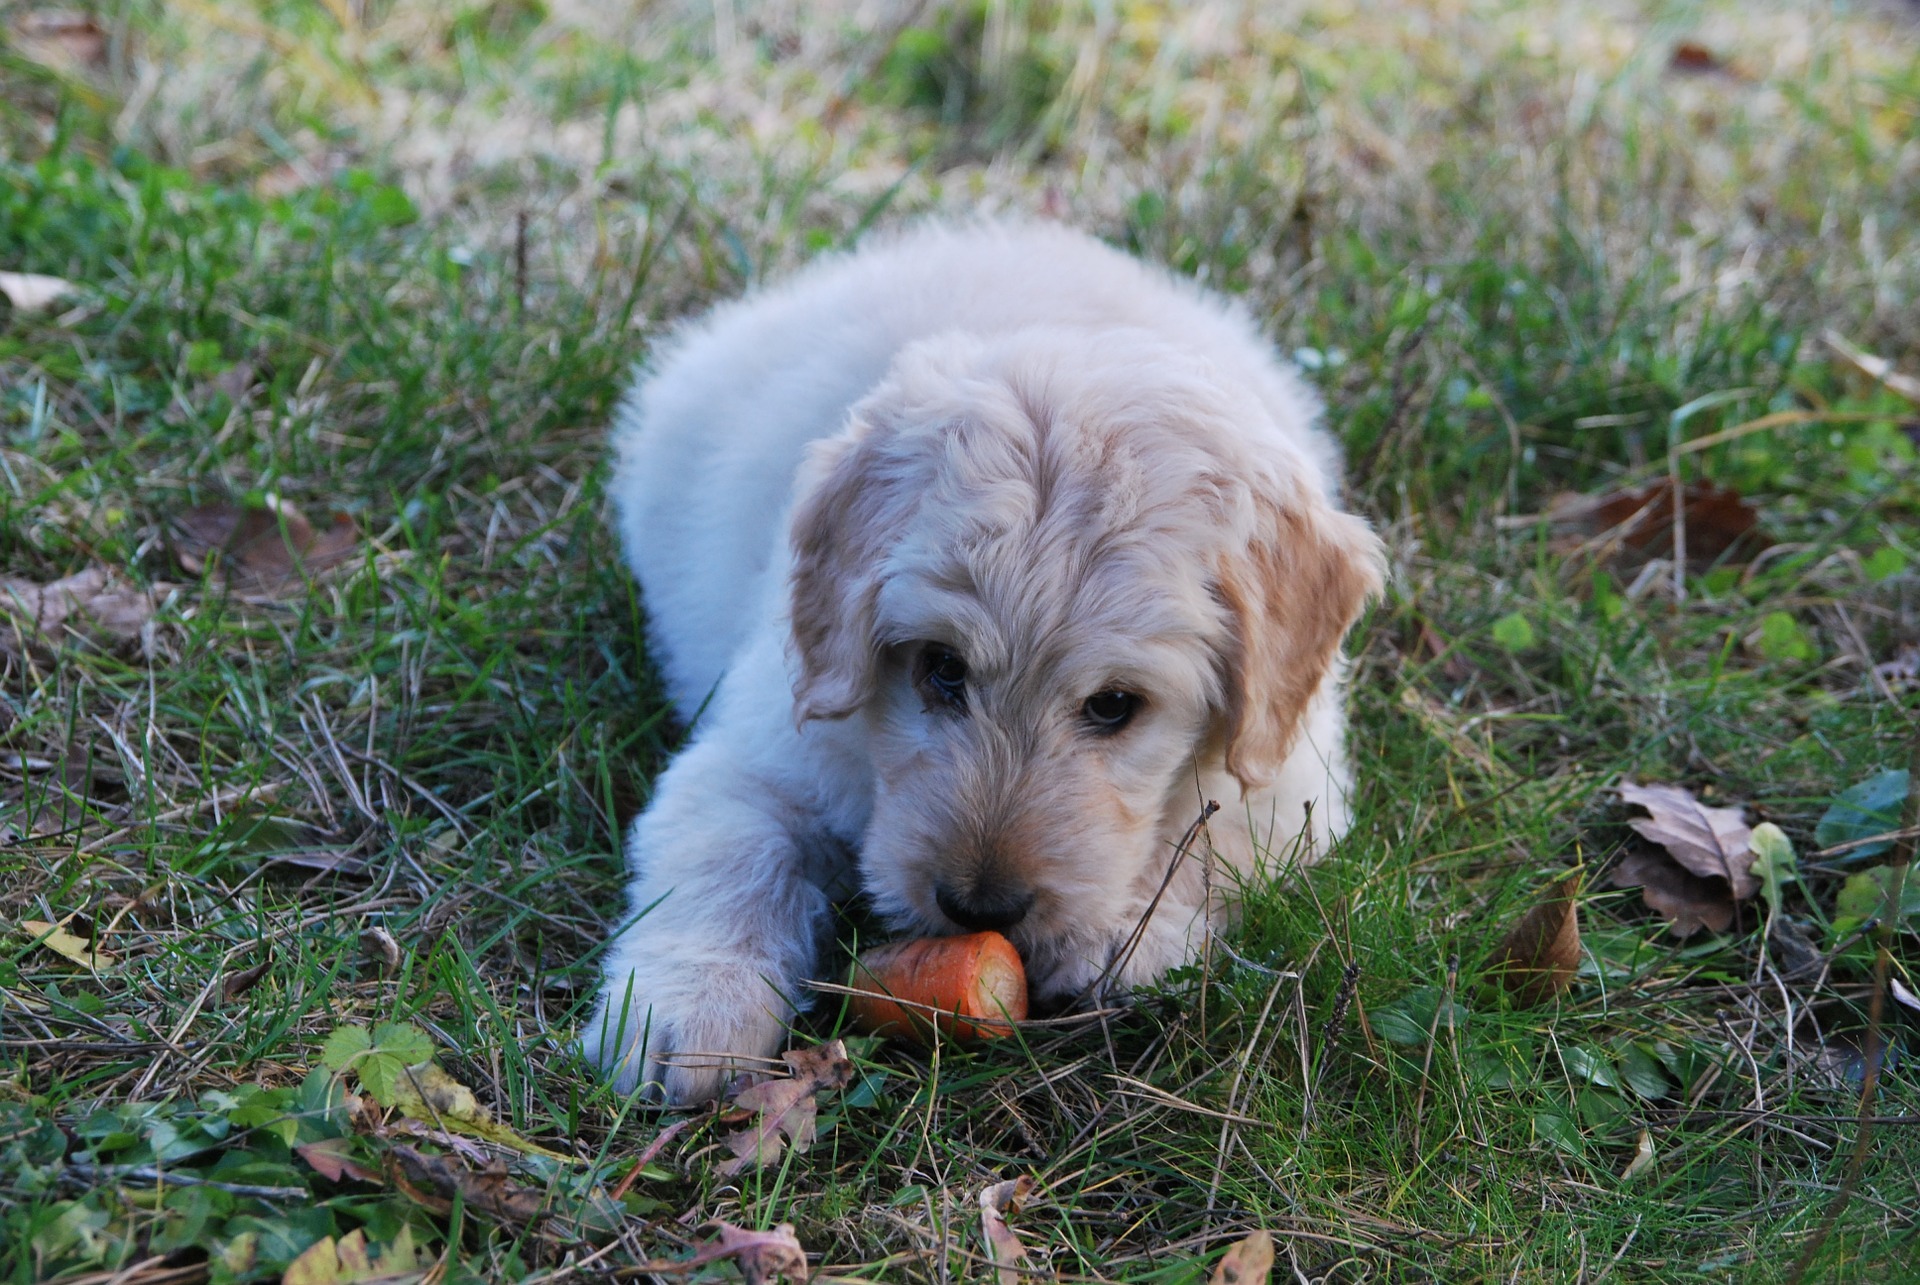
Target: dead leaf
x=1902 y=995
x=1686 y=901
x=33 y=291
x=1539 y=956
x=786 y=1108
x=761 y=1255
x=1642 y=1157
x=433 y=1181
x=57 y=939
x=330 y=1160
x=1695 y=58
x=1876 y=368
x=350 y=1259
x=92 y=603
x=238 y=984
x=377 y=944
x=1003 y=1247
x=1714 y=843
x=269 y=549
x=59 y=38
x=427 y=1093
x=1247 y=1262
x=1635 y=525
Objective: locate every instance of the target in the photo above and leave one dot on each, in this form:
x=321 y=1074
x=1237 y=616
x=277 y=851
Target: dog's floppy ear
x=1292 y=594
x=848 y=512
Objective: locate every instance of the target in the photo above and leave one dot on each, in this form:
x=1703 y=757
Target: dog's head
x=1056 y=578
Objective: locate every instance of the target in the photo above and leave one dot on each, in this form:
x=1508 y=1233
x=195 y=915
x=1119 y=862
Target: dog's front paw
x=684 y=1039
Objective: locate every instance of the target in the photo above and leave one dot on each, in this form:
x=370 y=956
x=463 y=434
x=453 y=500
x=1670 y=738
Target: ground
x=315 y=771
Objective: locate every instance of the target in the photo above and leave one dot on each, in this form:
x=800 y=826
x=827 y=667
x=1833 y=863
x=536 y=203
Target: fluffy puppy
x=978 y=559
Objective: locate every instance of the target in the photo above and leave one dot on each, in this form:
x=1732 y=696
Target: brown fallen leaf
x=33 y=291
x=378 y=945
x=1003 y=1247
x=432 y=1181
x=1635 y=525
x=1695 y=58
x=784 y=1110
x=57 y=939
x=1686 y=901
x=1247 y=1262
x=269 y=549
x=760 y=1255
x=92 y=603
x=1540 y=954
x=1714 y=843
x=237 y=984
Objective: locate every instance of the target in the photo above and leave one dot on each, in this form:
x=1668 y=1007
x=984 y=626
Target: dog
x=978 y=560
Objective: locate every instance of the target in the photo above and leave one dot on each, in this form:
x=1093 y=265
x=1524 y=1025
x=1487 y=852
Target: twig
x=161 y=1178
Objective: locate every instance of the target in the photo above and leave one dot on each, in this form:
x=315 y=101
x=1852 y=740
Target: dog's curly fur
x=978 y=559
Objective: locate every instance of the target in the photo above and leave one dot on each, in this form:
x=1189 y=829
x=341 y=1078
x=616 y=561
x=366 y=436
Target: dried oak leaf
x=1711 y=842
x=92 y=603
x=1003 y=1247
x=1686 y=901
x=1634 y=525
x=1705 y=865
x=1247 y=1262
x=784 y=1110
x=1540 y=954
x=269 y=549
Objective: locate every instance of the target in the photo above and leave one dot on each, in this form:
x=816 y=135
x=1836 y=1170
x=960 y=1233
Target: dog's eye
x=944 y=674
x=1110 y=711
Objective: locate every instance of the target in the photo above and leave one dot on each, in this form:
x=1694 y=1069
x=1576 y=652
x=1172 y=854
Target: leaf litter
x=1004 y=1249
x=1637 y=524
x=93 y=603
x=1540 y=954
x=1246 y=1262
x=1703 y=864
x=785 y=1110
x=269 y=549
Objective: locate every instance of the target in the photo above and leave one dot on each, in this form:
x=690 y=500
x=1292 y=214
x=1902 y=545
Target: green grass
x=1517 y=254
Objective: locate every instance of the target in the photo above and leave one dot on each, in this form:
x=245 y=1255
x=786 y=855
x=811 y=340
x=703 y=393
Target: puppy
x=978 y=560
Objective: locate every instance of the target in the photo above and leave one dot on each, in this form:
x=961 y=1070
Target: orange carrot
x=977 y=976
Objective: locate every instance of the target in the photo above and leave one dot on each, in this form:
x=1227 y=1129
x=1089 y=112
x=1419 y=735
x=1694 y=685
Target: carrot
x=976 y=976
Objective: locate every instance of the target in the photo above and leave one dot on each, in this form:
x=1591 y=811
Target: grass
x=393 y=261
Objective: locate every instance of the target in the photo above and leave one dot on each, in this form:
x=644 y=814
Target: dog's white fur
x=1079 y=474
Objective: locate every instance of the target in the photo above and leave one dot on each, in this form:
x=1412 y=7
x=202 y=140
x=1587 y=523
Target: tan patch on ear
x=1293 y=594
x=839 y=531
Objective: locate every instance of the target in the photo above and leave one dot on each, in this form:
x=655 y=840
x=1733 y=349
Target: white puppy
x=978 y=559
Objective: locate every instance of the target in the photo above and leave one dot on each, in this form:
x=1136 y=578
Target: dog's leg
x=724 y=926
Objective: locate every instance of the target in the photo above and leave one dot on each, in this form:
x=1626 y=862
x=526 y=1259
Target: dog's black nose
x=995 y=908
